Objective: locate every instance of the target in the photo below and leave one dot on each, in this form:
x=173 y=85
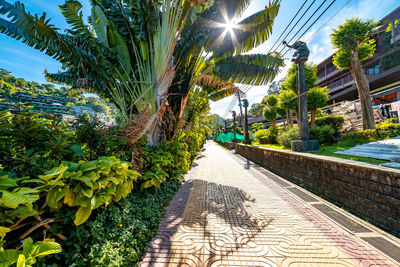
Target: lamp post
x=234 y=126
x=246 y=125
x=300 y=57
x=225 y=126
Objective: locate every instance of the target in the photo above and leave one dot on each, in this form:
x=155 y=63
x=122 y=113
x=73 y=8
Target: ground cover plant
x=119 y=234
x=62 y=184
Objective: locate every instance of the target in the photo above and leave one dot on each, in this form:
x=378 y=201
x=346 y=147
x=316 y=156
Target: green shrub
x=259 y=134
x=170 y=160
x=287 y=135
x=31 y=143
x=360 y=137
x=335 y=121
x=99 y=140
x=267 y=136
x=324 y=134
x=386 y=129
x=119 y=234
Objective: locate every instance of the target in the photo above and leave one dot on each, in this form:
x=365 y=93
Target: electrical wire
x=326 y=22
x=297 y=22
x=305 y=23
x=277 y=40
x=232 y=104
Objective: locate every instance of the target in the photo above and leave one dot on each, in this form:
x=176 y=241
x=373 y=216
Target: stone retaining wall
x=372 y=192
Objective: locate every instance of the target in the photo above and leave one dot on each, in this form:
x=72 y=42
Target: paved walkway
x=230 y=212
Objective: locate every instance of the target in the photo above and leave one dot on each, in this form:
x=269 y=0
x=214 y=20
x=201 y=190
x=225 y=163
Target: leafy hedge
x=119 y=234
x=335 y=121
x=324 y=134
x=267 y=136
x=384 y=130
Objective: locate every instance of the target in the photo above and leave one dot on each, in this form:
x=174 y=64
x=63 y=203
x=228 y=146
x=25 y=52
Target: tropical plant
x=30 y=251
x=134 y=63
x=354 y=43
x=32 y=143
x=317 y=97
x=89 y=185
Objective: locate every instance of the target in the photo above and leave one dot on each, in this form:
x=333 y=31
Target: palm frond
x=72 y=13
x=223 y=93
x=250 y=32
x=256 y=69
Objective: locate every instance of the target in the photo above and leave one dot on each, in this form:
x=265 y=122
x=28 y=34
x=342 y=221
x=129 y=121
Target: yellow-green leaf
x=82 y=215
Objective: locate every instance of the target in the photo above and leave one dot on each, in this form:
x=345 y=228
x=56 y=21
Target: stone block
x=305 y=145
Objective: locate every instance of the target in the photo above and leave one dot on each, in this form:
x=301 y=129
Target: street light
x=234 y=126
x=246 y=125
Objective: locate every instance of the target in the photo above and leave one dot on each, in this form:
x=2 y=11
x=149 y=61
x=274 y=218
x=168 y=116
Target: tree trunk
x=363 y=91
x=297 y=116
x=291 y=117
x=313 y=117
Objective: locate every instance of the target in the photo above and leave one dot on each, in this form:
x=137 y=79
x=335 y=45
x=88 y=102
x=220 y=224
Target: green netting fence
x=228 y=137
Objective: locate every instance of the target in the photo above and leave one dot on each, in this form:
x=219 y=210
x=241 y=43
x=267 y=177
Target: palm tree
x=147 y=56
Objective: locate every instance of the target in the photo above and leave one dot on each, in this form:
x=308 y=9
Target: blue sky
x=30 y=64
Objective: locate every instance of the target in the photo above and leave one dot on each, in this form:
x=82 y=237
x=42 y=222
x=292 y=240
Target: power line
x=313 y=23
x=297 y=22
x=326 y=22
x=277 y=40
x=337 y=12
x=305 y=23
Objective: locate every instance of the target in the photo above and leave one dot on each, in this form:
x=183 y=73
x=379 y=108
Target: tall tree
x=354 y=43
x=317 y=97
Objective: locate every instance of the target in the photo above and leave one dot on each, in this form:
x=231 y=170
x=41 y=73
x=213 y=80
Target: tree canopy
x=291 y=80
x=353 y=35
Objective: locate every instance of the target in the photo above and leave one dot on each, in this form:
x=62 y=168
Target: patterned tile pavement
x=229 y=212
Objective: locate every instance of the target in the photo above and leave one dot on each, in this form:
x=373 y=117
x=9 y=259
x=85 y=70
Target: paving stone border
x=369 y=191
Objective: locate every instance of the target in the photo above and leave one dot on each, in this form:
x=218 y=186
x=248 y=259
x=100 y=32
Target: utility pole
x=234 y=126
x=225 y=126
x=246 y=125
x=300 y=57
x=240 y=107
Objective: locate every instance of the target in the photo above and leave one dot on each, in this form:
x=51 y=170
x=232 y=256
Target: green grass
x=275 y=146
x=330 y=151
